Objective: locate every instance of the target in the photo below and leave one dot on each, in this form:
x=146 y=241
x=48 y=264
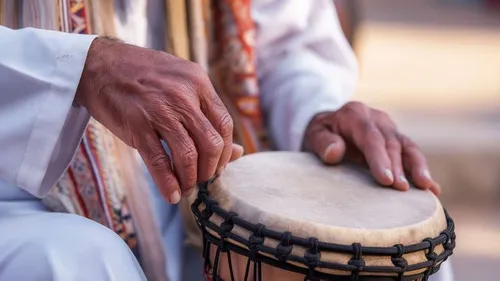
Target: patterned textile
x=92 y=186
x=93 y=182
x=232 y=67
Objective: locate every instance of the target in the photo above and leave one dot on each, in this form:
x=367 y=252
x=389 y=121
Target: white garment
x=300 y=52
x=305 y=67
x=36 y=245
x=39 y=74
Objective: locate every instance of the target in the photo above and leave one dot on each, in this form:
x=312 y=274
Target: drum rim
x=254 y=245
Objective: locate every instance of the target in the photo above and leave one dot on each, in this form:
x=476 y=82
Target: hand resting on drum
x=369 y=137
x=145 y=96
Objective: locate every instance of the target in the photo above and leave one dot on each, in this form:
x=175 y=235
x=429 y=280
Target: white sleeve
x=305 y=65
x=39 y=128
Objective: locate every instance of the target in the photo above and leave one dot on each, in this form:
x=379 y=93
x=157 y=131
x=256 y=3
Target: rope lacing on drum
x=431 y=256
x=399 y=261
x=253 y=246
x=357 y=261
x=284 y=248
x=450 y=240
x=312 y=256
x=255 y=240
x=225 y=227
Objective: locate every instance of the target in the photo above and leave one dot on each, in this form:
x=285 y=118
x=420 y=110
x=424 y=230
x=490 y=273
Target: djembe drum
x=285 y=216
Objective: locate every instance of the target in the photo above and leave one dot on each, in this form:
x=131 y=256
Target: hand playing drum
x=369 y=137
x=285 y=216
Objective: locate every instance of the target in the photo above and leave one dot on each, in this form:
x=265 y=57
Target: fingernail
x=403 y=179
x=427 y=174
x=239 y=147
x=328 y=150
x=389 y=174
x=175 y=197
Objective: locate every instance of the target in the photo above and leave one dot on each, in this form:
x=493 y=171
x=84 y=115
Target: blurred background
x=435 y=66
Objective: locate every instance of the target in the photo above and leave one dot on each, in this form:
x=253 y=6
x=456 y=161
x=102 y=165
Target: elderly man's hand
x=368 y=136
x=144 y=96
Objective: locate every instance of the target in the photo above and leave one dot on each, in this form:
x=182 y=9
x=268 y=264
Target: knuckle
x=383 y=118
x=355 y=106
x=160 y=161
x=372 y=133
x=407 y=143
x=226 y=126
x=367 y=126
x=198 y=74
x=190 y=158
x=215 y=144
x=392 y=144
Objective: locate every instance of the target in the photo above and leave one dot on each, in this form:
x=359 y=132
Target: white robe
x=305 y=67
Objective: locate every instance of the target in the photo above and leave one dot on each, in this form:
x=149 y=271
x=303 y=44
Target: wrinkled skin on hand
x=145 y=96
x=369 y=137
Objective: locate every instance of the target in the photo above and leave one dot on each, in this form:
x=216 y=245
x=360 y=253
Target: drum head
x=337 y=204
x=289 y=209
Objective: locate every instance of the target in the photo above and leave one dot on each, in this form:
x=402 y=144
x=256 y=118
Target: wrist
x=93 y=70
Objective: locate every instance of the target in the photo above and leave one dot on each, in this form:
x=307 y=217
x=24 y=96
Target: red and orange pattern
x=233 y=69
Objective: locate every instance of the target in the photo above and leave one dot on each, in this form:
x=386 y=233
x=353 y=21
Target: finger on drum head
x=329 y=146
x=159 y=166
x=184 y=156
x=220 y=119
x=416 y=166
x=209 y=143
x=371 y=142
x=237 y=152
x=394 y=151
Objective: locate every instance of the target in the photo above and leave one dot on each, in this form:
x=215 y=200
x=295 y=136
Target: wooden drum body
x=286 y=216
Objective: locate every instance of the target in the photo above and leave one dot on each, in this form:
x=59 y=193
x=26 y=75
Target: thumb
x=329 y=146
x=237 y=152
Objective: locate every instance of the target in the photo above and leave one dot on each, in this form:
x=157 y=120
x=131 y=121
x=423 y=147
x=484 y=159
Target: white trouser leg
x=445 y=273
x=36 y=245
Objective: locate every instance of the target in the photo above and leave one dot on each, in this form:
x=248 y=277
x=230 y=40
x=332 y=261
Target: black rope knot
x=356 y=261
x=255 y=240
x=430 y=254
x=359 y=264
x=227 y=225
x=284 y=248
x=207 y=212
x=398 y=259
x=447 y=244
x=312 y=255
x=203 y=189
x=196 y=203
x=222 y=237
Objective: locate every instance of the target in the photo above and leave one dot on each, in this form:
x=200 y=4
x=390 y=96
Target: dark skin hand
x=144 y=96
x=369 y=137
